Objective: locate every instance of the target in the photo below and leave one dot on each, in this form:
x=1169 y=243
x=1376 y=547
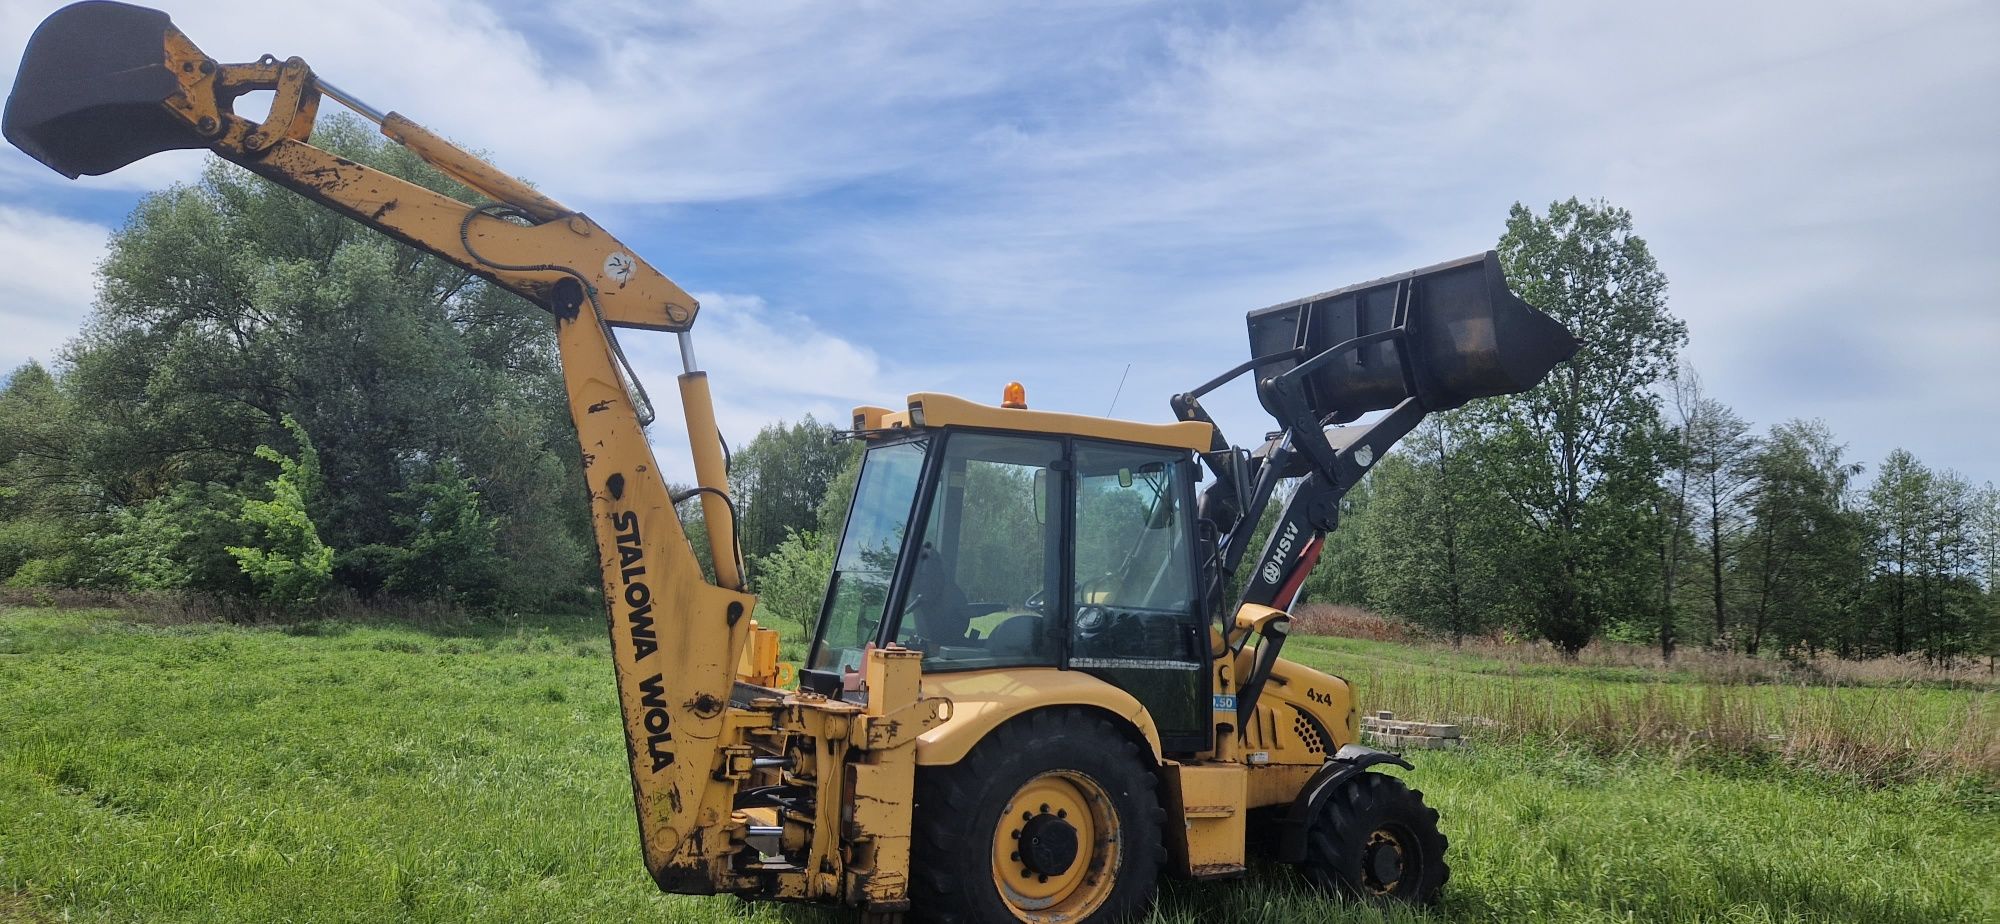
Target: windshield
x=862 y=571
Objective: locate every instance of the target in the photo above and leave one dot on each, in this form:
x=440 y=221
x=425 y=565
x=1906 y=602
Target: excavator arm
x=105 y=84
x=741 y=787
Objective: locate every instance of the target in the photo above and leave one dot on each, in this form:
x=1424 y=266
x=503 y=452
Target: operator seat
x=1019 y=636
x=939 y=607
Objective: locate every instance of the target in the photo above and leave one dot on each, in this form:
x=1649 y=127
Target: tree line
x=1619 y=499
x=272 y=405
x=1616 y=500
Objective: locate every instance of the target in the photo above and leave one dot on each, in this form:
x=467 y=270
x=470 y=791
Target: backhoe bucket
x=93 y=88
x=1466 y=336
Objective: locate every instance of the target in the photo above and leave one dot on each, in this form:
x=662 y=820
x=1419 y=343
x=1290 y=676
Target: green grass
x=1885 y=732
x=375 y=773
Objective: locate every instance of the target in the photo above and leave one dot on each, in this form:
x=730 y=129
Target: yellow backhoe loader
x=1030 y=693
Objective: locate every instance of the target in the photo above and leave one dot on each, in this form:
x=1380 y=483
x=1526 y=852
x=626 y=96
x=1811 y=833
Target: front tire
x=1052 y=817
x=1376 y=840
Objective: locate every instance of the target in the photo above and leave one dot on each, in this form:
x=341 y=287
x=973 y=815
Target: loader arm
x=1409 y=345
x=104 y=84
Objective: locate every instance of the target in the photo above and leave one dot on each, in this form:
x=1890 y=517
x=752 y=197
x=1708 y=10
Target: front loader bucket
x=1465 y=334
x=93 y=90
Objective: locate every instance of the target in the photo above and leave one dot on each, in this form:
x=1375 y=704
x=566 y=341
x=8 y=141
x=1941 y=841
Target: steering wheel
x=1080 y=589
x=1093 y=585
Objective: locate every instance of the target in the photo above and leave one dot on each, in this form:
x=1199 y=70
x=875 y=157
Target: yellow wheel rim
x=1056 y=848
x=1384 y=862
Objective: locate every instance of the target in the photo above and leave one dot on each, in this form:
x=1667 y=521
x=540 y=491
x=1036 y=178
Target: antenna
x=1120 y=390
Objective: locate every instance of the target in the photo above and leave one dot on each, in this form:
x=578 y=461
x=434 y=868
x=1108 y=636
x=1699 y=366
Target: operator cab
x=1003 y=539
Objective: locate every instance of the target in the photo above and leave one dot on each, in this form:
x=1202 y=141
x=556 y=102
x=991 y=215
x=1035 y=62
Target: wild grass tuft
x=1708 y=665
x=1875 y=734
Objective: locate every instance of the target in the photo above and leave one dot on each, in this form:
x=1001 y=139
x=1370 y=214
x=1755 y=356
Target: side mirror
x=1042 y=496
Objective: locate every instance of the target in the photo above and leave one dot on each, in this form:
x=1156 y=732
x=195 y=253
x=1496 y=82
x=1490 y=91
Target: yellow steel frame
x=696 y=676
x=683 y=648
x=930 y=409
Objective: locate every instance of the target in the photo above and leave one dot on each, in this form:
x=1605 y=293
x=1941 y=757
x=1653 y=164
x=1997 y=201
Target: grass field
x=1878 y=732
x=339 y=772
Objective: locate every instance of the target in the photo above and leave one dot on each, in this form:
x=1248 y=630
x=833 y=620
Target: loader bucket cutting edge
x=92 y=90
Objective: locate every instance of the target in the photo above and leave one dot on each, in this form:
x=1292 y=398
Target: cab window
x=1133 y=619
x=876 y=521
x=988 y=565
x=1134 y=573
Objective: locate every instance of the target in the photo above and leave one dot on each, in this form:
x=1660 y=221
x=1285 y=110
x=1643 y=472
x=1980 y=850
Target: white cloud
x=1086 y=185
x=628 y=102
x=49 y=286
x=763 y=366
x=1818 y=183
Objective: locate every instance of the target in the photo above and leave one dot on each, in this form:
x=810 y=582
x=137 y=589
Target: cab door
x=1133 y=618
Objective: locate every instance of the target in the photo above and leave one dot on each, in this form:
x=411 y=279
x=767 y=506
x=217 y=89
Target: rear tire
x=1053 y=817
x=1376 y=840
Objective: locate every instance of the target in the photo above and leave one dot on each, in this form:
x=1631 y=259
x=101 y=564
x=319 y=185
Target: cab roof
x=930 y=409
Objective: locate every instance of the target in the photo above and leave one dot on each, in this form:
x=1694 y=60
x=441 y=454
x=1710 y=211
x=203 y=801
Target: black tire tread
x=1351 y=814
x=948 y=803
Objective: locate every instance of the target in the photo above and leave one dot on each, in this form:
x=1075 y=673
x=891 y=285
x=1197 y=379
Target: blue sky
x=874 y=198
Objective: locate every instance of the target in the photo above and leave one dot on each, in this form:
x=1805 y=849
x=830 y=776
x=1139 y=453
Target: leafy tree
x=450 y=546
x=1705 y=492
x=1933 y=556
x=1717 y=449
x=288 y=565
x=1675 y=511
x=44 y=510
x=1802 y=560
x=229 y=304
x=180 y=540
x=839 y=496
x=1578 y=457
x=1343 y=572
x=37 y=551
x=1001 y=548
x=1897 y=503
x=1436 y=554
x=695 y=528
x=1929 y=554
x=791 y=581
x=1986 y=536
x=780 y=480
x=1986 y=532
